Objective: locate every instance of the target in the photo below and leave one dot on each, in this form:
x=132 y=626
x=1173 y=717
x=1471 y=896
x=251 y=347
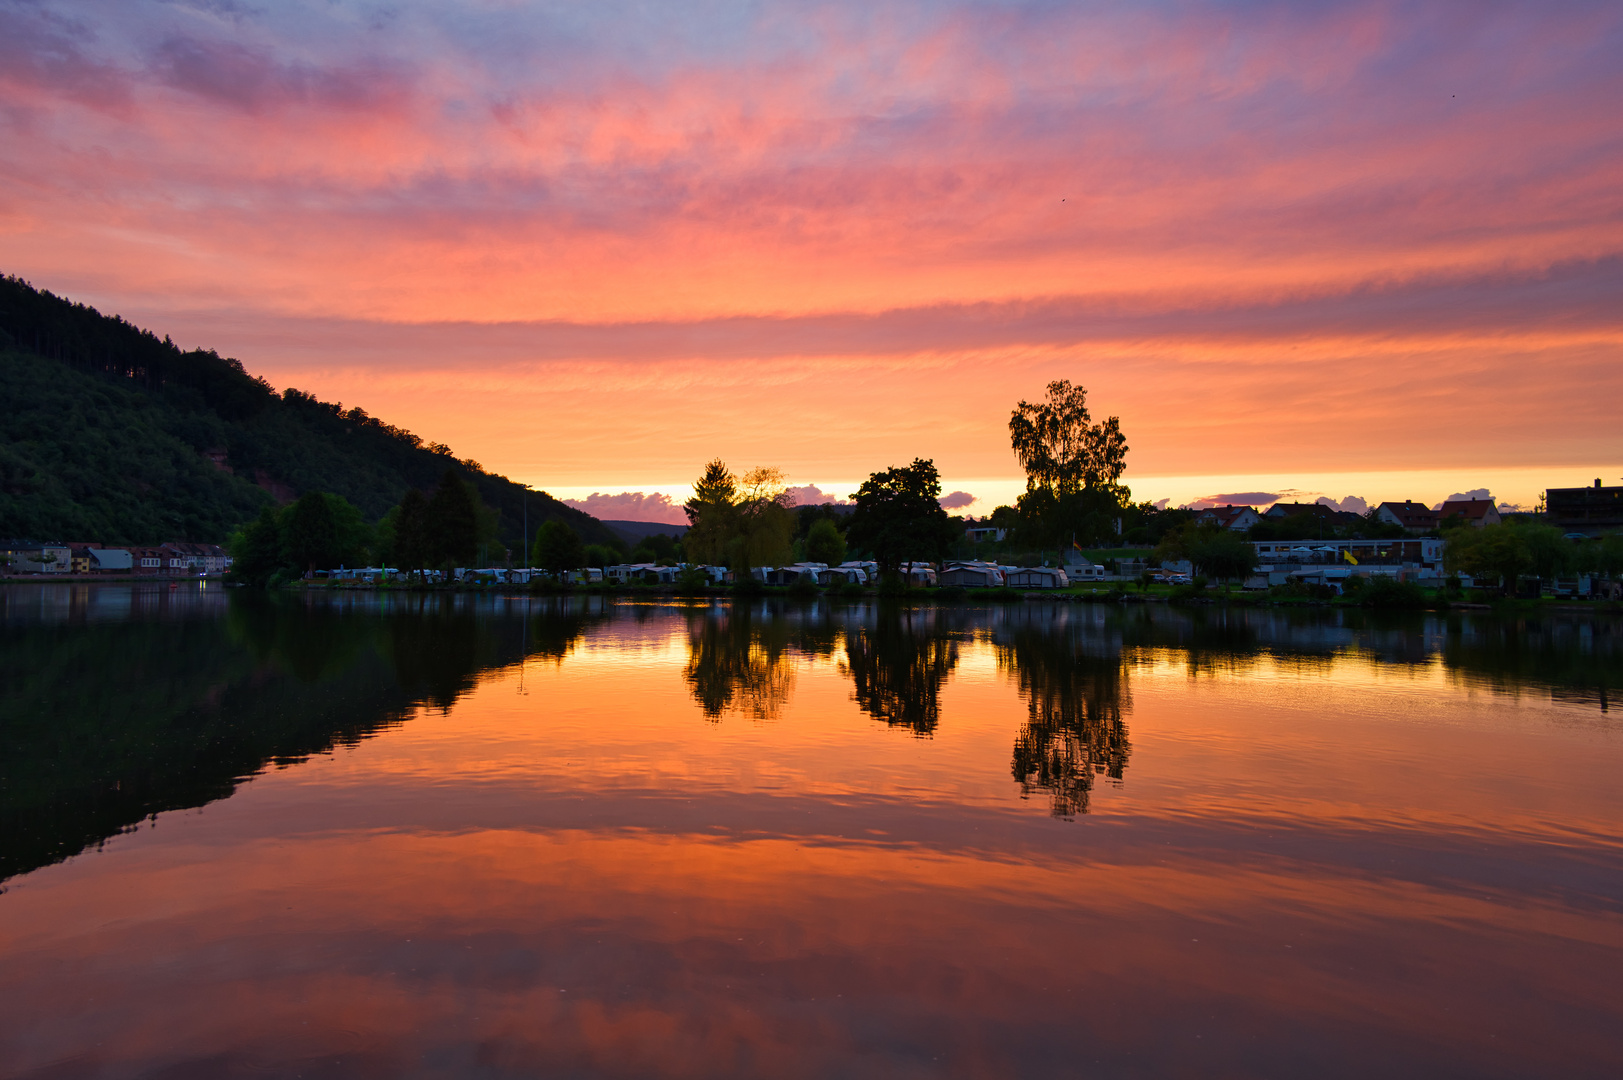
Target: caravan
x=971 y=575
x=1036 y=577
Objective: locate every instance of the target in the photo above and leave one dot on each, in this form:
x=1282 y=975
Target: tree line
x=323 y=531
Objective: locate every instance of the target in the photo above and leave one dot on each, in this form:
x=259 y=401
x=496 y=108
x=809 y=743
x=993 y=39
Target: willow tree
x=739 y=521
x=1073 y=468
x=765 y=521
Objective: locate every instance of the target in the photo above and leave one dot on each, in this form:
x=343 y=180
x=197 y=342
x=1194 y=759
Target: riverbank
x=1180 y=595
x=1422 y=600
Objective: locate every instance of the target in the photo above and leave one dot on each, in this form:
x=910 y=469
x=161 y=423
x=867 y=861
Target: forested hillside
x=111 y=434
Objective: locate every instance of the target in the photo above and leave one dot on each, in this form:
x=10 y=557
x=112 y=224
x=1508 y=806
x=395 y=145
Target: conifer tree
x=411 y=532
x=451 y=526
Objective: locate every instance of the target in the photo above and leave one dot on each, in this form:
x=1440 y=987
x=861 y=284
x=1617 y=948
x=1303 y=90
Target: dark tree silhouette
x=899 y=516
x=452 y=523
x=411 y=550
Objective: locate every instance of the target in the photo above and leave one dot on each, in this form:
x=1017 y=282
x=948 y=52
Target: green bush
x=692 y=582
x=851 y=590
x=804 y=588
x=1386 y=592
x=893 y=585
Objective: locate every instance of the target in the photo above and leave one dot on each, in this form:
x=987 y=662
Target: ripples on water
x=342 y=835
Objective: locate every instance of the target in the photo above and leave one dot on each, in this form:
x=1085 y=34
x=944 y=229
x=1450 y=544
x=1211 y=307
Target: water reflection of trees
x=106 y=723
x=898 y=661
x=1580 y=660
x=738 y=661
x=1074 y=680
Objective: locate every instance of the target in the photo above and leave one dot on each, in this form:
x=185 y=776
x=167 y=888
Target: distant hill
x=633 y=531
x=110 y=434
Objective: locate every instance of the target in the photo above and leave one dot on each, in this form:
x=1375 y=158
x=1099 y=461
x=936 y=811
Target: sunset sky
x=1357 y=249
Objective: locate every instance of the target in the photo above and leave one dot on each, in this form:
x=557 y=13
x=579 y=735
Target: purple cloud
x=956 y=500
x=631 y=506
x=252 y=80
x=43 y=52
x=1240 y=498
x=812 y=495
x=1463 y=496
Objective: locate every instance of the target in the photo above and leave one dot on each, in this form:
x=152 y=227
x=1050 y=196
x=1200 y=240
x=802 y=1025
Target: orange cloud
x=1357 y=221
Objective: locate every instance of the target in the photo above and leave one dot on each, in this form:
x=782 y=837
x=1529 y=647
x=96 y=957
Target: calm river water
x=460 y=836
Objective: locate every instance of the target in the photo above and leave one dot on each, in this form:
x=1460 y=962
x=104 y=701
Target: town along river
x=351 y=835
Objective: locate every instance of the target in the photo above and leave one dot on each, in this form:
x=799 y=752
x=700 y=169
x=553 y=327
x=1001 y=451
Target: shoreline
x=942 y=596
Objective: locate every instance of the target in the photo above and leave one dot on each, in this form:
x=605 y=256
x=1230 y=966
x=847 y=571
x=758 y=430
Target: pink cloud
x=812 y=495
x=631 y=506
x=470 y=215
x=956 y=500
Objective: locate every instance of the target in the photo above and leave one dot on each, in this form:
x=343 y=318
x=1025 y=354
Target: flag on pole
x=1348 y=555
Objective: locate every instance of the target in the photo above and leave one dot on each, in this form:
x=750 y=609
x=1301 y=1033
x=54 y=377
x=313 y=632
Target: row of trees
x=1074 y=495
x=1508 y=552
x=321 y=531
x=749 y=521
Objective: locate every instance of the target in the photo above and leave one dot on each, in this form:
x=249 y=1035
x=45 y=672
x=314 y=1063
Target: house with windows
x=29 y=557
x=1413 y=517
x=1588 y=510
x=192 y=559
x=1238 y=518
x=1476 y=513
x=1328 y=514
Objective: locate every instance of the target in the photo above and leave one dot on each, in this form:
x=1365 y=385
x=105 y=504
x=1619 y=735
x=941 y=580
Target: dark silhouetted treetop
x=451 y=526
x=899 y=516
x=1061 y=448
x=558 y=548
x=1072 y=470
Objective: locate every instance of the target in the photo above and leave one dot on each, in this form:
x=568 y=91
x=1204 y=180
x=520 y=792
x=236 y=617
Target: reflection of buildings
x=1074 y=681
